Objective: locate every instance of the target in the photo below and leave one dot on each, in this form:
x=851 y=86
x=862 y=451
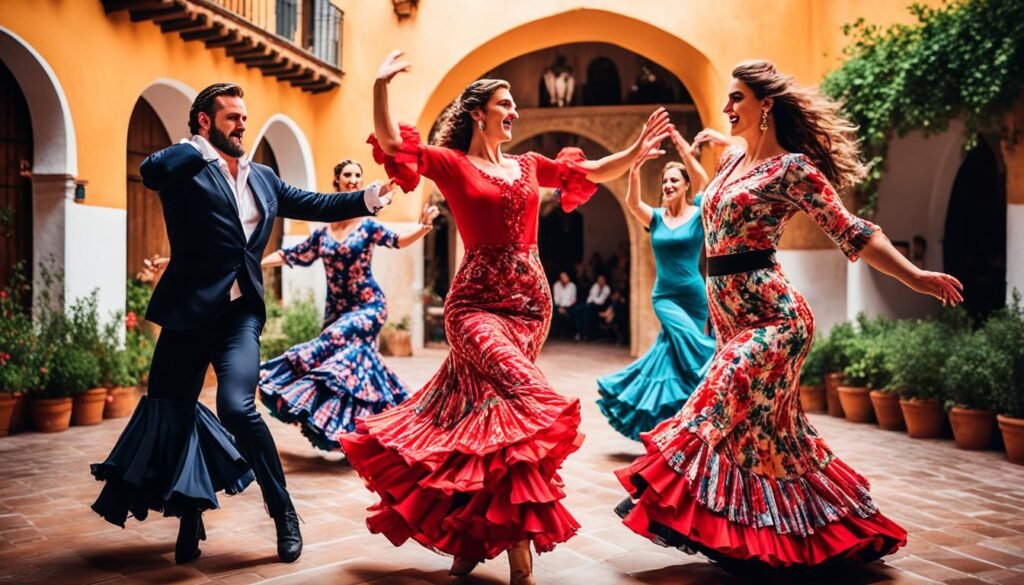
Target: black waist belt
x=742 y=262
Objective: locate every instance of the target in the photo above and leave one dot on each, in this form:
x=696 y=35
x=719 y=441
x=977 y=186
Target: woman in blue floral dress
x=327 y=382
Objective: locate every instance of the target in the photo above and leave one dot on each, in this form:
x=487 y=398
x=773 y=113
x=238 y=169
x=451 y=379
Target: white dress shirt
x=598 y=294
x=564 y=294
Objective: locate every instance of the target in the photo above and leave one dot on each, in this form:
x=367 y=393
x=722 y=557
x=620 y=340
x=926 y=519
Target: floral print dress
x=326 y=382
x=739 y=472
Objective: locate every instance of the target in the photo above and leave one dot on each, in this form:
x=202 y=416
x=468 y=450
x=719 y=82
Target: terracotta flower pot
x=856 y=401
x=119 y=402
x=925 y=418
x=396 y=343
x=887 y=410
x=51 y=415
x=88 y=407
x=832 y=381
x=7 y=402
x=21 y=419
x=1013 y=437
x=812 y=398
x=972 y=429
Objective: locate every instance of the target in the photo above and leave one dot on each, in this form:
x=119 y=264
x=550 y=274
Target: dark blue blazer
x=208 y=247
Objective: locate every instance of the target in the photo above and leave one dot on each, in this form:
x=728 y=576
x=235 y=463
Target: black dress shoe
x=289 y=539
x=190 y=532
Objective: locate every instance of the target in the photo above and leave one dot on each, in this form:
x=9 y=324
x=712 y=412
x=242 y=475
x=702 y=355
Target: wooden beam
x=226 y=41
x=271 y=60
x=217 y=32
x=110 y=6
x=185 y=26
x=248 y=50
x=299 y=73
x=143 y=15
x=285 y=68
x=177 y=14
x=322 y=88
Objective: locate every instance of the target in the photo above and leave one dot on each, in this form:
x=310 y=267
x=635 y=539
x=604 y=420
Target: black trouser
x=231 y=342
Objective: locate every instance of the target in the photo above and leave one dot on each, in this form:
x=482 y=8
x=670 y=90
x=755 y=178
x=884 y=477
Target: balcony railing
x=298 y=41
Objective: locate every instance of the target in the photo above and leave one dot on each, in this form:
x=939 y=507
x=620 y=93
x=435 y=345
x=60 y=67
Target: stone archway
x=54 y=161
x=613 y=130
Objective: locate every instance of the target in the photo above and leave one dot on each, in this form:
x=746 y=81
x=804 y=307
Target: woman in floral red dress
x=468 y=466
x=740 y=474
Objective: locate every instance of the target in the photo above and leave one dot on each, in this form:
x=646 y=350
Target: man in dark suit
x=219 y=209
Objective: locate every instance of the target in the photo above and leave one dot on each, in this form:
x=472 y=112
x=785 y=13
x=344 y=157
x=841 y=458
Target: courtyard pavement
x=964 y=511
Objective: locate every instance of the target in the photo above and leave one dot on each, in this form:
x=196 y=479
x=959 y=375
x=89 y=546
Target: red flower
x=130 y=321
x=3 y=294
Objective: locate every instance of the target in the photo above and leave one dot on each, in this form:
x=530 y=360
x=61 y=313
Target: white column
x=1014 y=249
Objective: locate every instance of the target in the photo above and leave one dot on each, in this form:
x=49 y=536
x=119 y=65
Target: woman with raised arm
x=469 y=465
x=325 y=383
x=739 y=473
x=656 y=386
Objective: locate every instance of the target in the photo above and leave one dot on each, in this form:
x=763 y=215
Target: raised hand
x=429 y=213
x=680 y=143
x=657 y=129
x=152 y=267
x=392 y=66
x=709 y=136
x=942 y=286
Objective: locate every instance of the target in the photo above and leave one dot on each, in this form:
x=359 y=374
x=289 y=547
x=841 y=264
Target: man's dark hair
x=204 y=102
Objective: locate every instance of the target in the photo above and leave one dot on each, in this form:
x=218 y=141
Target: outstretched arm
x=426 y=224
x=614 y=165
x=298 y=204
x=385 y=127
x=880 y=254
x=273 y=259
x=698 y=176
x=640 y=210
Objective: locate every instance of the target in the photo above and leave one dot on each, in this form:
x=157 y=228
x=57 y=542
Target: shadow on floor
x=848 y=573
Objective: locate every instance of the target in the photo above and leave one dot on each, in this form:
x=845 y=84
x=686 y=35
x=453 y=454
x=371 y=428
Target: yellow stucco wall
x=105 y=62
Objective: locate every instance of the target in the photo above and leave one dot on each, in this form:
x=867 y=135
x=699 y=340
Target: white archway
x=171 y=100
x=294 y=156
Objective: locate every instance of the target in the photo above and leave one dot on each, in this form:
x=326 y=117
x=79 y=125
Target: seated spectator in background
x=563 y=294
x=615 y=317
x=597 y=301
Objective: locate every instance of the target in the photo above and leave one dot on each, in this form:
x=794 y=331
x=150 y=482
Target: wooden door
x=15 y=181
x=147 y=235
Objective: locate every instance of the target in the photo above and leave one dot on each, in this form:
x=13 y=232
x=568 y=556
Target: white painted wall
x=96 y=255
x=820 y=276
x=913 y=199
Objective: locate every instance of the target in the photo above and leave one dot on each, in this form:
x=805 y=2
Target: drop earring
x=764 y=120
x=480 y=125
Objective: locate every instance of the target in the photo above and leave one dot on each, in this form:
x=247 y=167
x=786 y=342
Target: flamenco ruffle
x=172 y=457
x=727 y=512
x=476 y=504
x=321 y=400
x=574 y=190
x=636 y=404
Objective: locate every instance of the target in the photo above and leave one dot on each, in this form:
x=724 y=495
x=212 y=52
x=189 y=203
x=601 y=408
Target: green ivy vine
x=961 y=60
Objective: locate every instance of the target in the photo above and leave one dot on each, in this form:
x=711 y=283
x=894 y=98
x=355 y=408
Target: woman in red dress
x=469 y=465
x=740 y=474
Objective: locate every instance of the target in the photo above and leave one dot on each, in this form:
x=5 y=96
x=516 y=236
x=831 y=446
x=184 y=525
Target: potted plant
x=1005 y=330
x=917 y=374
x=972 y=374
x=72 y=371
x=396 y=339
x=121 y=392
x=17 y=353
x=812 y=380
x=884 y=400
x=835 y=361
x=93 y=367
x=865 y=367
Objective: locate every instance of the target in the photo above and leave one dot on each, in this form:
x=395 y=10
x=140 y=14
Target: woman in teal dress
x=656 y=386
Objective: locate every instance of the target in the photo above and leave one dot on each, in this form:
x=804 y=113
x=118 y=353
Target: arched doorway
x=974 y=243
x=146 y=233
x=15 y=182
x=53 y=162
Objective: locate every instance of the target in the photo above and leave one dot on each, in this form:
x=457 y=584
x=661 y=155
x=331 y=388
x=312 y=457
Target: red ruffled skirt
x=714 y=506
x=468 y=466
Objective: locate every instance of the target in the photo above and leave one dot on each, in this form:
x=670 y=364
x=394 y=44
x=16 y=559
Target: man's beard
x=221 y=142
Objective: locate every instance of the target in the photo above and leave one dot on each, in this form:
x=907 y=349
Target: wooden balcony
x=296 y=41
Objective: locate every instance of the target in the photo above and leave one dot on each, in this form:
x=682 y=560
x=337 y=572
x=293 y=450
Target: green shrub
x=298 y=322
x=813 y=372
x=1005 y=330
x=832 y=347
x=18 y=343
x=72 y=370
x=975 y=371
x=917 y=359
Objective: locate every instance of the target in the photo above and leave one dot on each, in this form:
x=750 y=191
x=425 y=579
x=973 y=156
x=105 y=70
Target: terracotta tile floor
x=965 y=511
